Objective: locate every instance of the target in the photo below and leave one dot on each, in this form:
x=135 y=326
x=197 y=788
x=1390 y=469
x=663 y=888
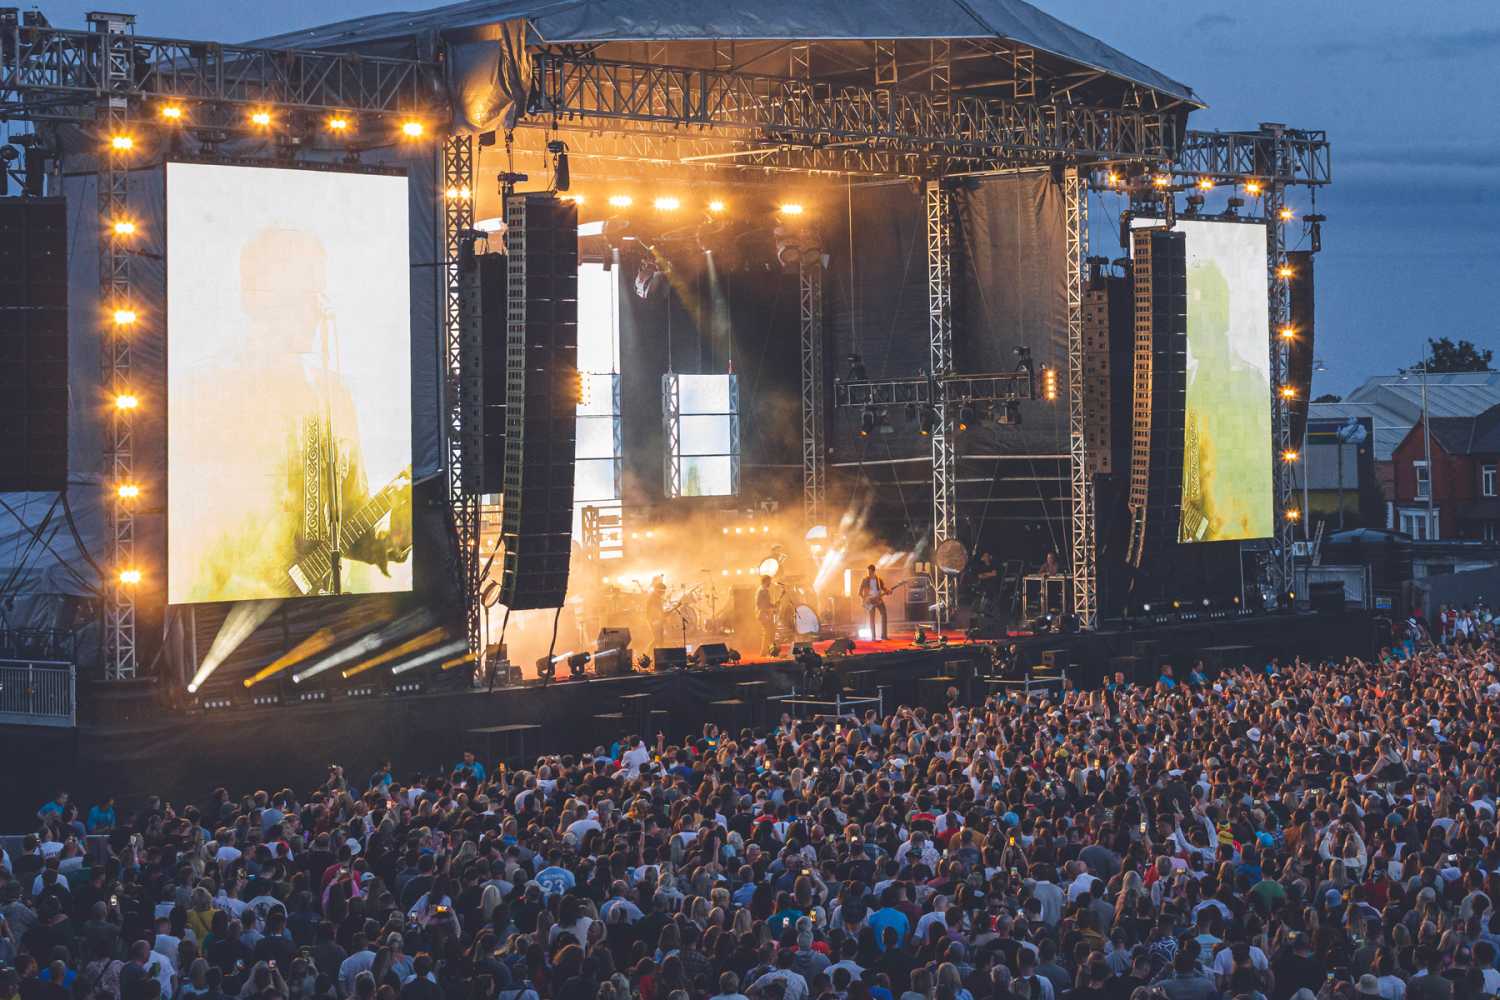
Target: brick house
x=1462 y=479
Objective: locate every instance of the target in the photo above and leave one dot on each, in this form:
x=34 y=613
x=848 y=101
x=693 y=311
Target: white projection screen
x=1227 y=490
x=288 y=383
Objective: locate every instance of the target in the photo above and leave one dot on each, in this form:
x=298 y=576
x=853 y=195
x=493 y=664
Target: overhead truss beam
x=1273 y=155
x=601 y=93
x=57 y=74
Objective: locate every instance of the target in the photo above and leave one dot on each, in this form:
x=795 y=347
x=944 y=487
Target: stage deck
x=133 y=748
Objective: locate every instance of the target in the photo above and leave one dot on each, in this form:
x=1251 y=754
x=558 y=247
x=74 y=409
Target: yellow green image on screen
x=289 y=383
x=1226 y=466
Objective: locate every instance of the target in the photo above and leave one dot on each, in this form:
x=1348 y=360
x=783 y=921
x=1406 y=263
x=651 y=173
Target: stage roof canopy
x=576 y=22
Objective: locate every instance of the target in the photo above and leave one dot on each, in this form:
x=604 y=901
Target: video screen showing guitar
x=289 y=414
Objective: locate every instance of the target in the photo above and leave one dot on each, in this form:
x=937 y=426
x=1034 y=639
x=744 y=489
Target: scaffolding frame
x=814 y=450
x=112 y=33
x=1082 y=566
x=939 y=204
x=457 y=165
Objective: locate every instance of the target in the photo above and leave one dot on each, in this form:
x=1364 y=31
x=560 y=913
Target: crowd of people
x=1283 y=831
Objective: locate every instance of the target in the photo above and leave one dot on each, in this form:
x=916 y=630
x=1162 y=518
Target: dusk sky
x=1407 y=93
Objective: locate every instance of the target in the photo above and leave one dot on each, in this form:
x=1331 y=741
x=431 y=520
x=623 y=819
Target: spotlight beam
x=244 y=618
x=431 y=657
x=311 y=646
x=396 y=652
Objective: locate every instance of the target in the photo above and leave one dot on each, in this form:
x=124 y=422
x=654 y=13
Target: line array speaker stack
x=1159 y=394
x=1300 y=350
x=33 y=344
x=541 y=399
x=483 y=344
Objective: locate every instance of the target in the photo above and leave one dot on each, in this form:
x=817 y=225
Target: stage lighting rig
x=576 y=663
x=965 y=416
x=857 y=371
x=868 y=418
x=927 y=422
x=562 y=177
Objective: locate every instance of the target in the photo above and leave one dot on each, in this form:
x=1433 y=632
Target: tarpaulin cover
x=577 y=21
x=489 y=78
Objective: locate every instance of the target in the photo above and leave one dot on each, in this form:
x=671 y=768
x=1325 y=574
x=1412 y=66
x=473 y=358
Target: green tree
x=1329 y=397
x=1446 y=356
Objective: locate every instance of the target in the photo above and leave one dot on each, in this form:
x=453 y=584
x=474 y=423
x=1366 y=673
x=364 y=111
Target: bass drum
x=805 y=620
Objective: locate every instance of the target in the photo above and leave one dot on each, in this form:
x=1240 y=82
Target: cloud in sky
x=1429 y=45
x=1215 y=22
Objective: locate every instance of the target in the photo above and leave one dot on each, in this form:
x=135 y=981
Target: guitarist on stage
x=872 y=591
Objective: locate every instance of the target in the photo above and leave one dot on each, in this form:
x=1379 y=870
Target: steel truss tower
x=814 y=452
x=463 y=504
x=1281 y=410
x=117 y=305
x=939 y=202
x=1082 y=566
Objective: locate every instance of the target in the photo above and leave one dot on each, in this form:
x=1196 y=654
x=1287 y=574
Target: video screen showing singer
x=296 y=494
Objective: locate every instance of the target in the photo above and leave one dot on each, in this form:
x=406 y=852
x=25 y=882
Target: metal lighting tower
x=940 y=348
x=463 y=497
x=814 y=454
x=1082 y=566
x=117 y=305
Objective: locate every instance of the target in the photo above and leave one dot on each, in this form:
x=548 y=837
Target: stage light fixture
x=338 y=123
x=1112 y=179
x=716 y=207
x=413 y=129
x=1293 y=514
x=667 y=204
x=1205 y=184
x=1288 y=392
x=1288 y=333
x=965 y=416
x=128 y=491
x=124 y=228
x=1289 y=455
x=124 y=317
x=1285 y=215
x=866 y=424
x=857 y=371
x=125 y=401
x=791 y=208
x=1284 y=272
x=121 y=143
x=1049 y=384
x=1161 y=181
x=576 y=199
x=1252 y=187
x=170 y=112
x=927 y=422
x=130 y=577
x=621 y=201
x=260 y=118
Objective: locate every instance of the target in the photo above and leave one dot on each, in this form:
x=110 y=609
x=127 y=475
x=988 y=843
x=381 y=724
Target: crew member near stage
x=872 y=591
x=656 y=611
x=765 y=611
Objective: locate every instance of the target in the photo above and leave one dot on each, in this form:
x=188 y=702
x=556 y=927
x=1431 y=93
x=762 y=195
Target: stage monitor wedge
x=541 y=399
x=33 y=344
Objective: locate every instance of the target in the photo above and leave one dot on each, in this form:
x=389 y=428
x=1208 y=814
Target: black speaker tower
x=541 y=399
x=1159 y=393
x=33 y=344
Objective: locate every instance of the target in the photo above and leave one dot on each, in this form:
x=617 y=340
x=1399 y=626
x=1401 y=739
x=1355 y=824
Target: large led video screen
x=288 y=383
x=1226 y=468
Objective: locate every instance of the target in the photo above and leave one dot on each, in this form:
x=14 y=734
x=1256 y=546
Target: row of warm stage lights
x=671 y=203
x=338 y=124
x=1163 y=182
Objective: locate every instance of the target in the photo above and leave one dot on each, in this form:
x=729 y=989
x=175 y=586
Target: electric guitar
x=871 y=600
x=313 y=573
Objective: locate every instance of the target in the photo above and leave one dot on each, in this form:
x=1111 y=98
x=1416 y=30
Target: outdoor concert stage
x=132 y=747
